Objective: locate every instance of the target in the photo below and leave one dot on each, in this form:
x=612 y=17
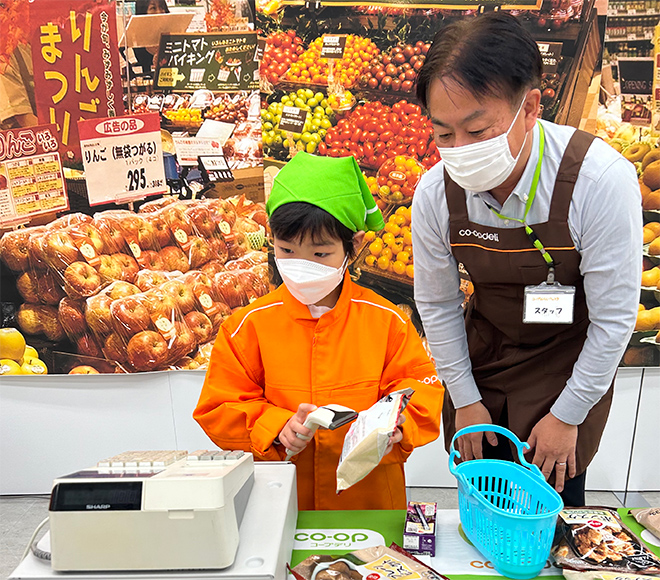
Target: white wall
x=53 y=425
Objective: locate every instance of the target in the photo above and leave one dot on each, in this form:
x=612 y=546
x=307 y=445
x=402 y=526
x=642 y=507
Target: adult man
x=521 y=202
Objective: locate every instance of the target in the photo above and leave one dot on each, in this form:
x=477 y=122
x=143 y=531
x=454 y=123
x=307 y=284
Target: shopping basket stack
x=508 y=511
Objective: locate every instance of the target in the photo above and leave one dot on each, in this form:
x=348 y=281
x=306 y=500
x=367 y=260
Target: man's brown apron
x=525 y=366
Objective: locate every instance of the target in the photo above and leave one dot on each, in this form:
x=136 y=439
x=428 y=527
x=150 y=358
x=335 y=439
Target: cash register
x=160 y=510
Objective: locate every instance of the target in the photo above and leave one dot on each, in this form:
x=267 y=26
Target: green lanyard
x=530 y=199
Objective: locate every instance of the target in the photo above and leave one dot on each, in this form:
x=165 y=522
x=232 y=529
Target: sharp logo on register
x=97 y=506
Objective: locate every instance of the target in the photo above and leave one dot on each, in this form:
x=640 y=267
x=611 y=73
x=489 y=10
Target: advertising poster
x=219 y=62
x=31 y=176
x=76 y=66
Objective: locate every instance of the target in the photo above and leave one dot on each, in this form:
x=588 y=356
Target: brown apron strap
x=569 y=169
x=455 y=200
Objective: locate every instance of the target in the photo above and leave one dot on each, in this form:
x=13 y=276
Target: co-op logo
x=480 y=235
x=309 y=539
x=430 y=380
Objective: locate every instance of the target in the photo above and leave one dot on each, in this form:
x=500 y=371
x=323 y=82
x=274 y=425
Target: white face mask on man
x=310 y=282
x=483 y=165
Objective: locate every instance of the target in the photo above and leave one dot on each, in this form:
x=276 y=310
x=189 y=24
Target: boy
x=319 y=339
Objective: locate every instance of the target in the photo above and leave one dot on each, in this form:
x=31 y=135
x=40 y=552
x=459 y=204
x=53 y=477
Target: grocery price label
x=551 y=55
x=548 y=304
x=261 y=48
x=123 y=158
x=182 y=238
x=225 y=228
x=31 y=176
x=293 y=119
x=215 y=168
x=333 y=47
x=135 y=248
x=165 y=327
x=207 y=304
x=188 y=149
x=88 y=252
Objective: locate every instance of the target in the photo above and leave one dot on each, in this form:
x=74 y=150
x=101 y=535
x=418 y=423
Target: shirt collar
x=521 y=190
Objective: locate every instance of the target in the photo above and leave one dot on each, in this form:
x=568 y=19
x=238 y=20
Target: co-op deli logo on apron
x=479 y=235
x=330 y=539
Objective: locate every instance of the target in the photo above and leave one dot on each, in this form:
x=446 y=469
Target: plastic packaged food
x=595 y=538
x=649 y=517
x=374 y=563
x=367 y=439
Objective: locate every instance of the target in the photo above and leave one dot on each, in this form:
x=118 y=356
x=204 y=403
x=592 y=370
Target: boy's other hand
x=294 y=427
x=397 y=435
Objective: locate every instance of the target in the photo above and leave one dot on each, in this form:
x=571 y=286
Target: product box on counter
x=419 y=529
x=248 y=182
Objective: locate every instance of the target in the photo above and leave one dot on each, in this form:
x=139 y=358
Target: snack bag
x=596 y=539
x=375 y=563
x=366 y=440
x=576 y=575
x=648 y=517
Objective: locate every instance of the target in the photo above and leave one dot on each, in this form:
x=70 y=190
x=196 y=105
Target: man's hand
x=397 y=436
x=553 y=443
x=289 y=434
x=469 y=446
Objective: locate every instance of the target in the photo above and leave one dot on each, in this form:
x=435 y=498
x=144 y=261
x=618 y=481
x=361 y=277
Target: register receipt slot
x=150 y=511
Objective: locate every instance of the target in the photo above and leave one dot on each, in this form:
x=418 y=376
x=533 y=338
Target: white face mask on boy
x=483 y=165
x=309 y=282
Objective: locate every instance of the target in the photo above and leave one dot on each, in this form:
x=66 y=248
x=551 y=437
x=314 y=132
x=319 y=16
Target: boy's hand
x=397 y=436
x=294 y=426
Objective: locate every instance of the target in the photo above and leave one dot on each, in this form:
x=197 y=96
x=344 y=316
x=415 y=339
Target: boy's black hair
x=491 y=54
x=293 y=222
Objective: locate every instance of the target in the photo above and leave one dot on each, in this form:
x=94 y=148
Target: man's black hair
x=295 y=221
x=490 y=55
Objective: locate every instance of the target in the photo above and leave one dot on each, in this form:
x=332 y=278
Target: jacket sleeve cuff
x=265 y=431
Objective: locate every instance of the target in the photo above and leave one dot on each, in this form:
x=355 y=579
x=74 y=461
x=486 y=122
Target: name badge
x=549 y=304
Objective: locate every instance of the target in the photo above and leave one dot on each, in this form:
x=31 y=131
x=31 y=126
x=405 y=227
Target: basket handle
x=483 y=427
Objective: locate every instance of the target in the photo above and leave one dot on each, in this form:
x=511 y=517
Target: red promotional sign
x=76 y=65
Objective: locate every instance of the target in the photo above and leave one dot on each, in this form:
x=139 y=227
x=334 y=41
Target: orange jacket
x=272 y=355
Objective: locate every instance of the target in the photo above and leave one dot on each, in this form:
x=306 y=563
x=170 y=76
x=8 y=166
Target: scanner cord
x=33 y=541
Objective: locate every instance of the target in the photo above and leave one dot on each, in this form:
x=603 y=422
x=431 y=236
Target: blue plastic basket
x=508 y=511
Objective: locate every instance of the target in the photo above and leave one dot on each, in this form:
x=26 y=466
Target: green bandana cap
x=335 y=184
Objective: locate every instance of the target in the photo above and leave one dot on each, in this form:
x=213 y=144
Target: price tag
x=551 y=55
x=548 y=304
x=333 y=47
x=293 y=119
x=165 y=327
x=123 y=158
x=215 y=168
x=261 y=48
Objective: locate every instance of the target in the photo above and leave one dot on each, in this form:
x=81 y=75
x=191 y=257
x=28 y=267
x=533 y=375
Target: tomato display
x=395 y=70
x=390 y=250
x=276 y=143
x=397 y=178
x=375 y=132
x=311 y=68
x=282 y=49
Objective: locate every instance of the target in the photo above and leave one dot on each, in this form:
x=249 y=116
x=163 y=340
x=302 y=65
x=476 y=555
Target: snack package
x=375 y=563
x=366 y=440
x=648 y=517
x=596 y=539
x=419 y=528
x=591 y=575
